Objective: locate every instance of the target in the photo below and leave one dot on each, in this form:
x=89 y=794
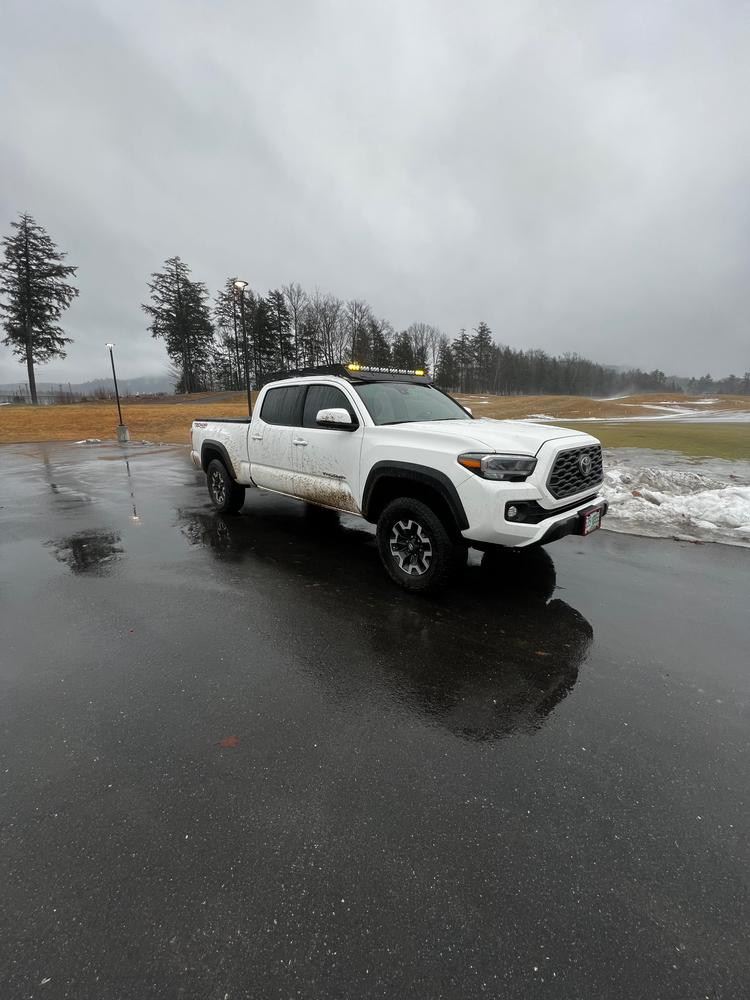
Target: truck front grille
x=576 y=470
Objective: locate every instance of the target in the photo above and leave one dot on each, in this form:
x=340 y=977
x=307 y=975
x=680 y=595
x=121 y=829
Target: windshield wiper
x=420 y=420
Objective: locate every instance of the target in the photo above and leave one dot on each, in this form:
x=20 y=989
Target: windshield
x=402 y=403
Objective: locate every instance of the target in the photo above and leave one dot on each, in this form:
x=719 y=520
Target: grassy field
x=573 y=407
x=714 y=440
x=146 y=421
x=169 y=421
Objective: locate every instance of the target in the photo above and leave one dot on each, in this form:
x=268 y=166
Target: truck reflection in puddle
x=490 y=657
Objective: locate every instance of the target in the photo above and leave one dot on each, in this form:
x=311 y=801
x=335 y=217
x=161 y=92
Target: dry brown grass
x=575 y=407
x=169 y=421
x=516 y=407
x=146 y=421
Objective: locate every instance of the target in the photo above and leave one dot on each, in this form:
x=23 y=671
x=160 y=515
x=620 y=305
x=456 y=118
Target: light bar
x=353 y=367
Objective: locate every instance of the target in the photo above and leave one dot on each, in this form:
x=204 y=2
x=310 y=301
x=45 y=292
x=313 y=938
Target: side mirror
x=336 y=418
x=469 y=411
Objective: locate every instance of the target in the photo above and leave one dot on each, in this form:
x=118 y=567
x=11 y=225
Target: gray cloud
x=575 y=174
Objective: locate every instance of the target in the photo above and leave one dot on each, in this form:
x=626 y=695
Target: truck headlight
x=510 y=468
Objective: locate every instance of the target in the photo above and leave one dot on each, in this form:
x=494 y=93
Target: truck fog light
x=511 y=512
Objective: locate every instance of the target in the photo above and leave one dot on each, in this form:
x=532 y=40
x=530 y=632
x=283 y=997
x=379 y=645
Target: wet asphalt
x=236 y=762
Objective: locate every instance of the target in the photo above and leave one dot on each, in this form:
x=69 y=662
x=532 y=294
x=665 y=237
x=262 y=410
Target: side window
x=283 y=406
x=324 y=397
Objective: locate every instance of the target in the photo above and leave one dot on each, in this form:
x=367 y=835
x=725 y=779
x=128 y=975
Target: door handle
x=256 y=437
x=299 y=441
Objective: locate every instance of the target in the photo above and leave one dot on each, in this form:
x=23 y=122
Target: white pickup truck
x=391 y=447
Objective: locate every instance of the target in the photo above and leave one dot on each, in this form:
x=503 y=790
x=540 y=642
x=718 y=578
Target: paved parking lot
x=237 y=762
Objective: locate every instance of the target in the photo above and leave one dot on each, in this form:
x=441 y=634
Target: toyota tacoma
x=388 y=445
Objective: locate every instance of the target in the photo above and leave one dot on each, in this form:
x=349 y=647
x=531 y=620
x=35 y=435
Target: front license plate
x=591 y=520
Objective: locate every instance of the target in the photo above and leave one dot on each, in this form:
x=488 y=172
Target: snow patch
x=683 y=415
x=705 y=501
x=90 y=441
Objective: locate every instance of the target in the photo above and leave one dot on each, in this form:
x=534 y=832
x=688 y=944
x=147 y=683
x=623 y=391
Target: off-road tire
x=226 y=495
x=436 y=556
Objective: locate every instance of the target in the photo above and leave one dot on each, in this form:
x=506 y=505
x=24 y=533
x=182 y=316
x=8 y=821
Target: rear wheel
x=415 y=546
x=226 y=495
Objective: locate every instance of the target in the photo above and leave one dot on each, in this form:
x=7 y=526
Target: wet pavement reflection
x=518 y=651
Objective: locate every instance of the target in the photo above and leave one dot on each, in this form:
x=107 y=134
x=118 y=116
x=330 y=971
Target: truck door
x=326 y=458
x=270 y=441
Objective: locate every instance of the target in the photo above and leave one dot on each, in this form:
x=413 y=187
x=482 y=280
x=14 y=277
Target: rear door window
x=324 y=397
x=283 y=406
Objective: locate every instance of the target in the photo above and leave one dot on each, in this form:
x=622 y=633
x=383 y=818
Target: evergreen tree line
x=291 y=328
x=243 y=335
x=733 y=385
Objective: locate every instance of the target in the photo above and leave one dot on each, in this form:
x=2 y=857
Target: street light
x=240 y=287
x=122 y=432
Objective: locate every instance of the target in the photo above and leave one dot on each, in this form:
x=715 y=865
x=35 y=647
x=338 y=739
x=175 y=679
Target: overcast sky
x=576 y=174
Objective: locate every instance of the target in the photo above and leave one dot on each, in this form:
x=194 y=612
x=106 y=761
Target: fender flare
x=211 y=445
x=421 y=474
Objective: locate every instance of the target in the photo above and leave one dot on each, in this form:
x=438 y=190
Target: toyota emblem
x=584 y=464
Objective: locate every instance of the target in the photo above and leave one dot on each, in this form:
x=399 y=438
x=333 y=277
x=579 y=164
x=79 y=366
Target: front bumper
x=569 y=525
x=485 y=506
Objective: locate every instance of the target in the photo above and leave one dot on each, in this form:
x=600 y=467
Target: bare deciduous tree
x=296 y=303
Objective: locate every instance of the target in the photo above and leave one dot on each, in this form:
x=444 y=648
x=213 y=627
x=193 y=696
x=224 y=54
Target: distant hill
x=127 y=386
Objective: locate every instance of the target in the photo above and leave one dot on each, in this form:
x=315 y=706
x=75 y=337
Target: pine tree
x=180 y=315
x=223 y=373
x=481 y=349
x=446 y=373
x=264 y=337
x=380 y=333
x=227 y=322
x=309 y=343
x=33 y=283
x=403 y=351
x=247 y=336
x=462 y=354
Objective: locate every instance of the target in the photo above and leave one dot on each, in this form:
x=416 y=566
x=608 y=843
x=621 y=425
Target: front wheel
x=226 y=495
x=415 y=546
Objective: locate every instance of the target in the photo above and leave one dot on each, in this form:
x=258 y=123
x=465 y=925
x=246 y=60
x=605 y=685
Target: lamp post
x=240 y=286
x=123 y=435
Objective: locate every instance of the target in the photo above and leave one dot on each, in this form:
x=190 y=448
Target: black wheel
x=226 y=495
x=415 y=546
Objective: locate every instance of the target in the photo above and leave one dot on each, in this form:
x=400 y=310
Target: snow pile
x=675 y=500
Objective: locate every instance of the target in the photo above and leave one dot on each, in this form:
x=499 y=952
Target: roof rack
x=355 y=373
